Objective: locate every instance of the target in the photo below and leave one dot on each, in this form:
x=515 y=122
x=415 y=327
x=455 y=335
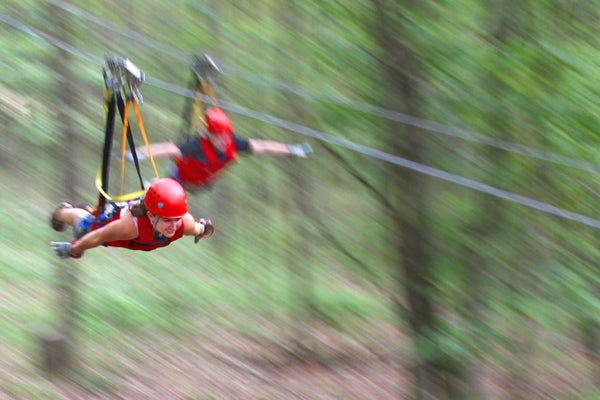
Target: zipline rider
x=199 y=160
x=158 y=221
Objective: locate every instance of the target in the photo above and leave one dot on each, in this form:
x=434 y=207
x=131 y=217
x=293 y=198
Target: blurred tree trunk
x=66 y=95
x=299 y=191
x=60 y=352
x=589 y=326
x=484 y=229
x=508 y=24
x=411 y=216
x=13 y=110
x=591 y=341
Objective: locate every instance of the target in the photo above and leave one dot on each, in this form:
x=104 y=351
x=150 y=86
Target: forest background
x=440 y=242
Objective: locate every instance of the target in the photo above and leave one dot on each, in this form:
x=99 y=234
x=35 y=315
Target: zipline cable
x=50 y=39
x=129 y=33
x=341 y=142
x=429 y=125
x=391 y=115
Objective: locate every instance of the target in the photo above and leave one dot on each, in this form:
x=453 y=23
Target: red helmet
x=166 y=198
x=217 y=122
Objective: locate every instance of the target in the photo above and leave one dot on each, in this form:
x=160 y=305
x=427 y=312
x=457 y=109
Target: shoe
x=83 y=225
x=57 y=225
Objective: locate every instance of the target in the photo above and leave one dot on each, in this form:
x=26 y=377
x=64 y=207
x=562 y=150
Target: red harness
x=192 y=171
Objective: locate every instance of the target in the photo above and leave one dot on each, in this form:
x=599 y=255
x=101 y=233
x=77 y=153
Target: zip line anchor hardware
x=122 y=81
x=204 y=70
x=205 y=67
x=120 y=74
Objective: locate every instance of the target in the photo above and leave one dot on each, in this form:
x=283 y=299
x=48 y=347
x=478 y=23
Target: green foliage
x=341 y=307
x=445 y=345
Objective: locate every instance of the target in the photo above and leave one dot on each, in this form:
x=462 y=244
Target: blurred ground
x=222 y=364
x=218 y=365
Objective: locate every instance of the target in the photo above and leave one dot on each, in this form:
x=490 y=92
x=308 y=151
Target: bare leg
x=68 y=214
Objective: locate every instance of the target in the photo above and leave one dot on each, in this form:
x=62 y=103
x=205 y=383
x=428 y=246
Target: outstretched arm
x=161 y=150
x=203 y=228
x=124 y=228
x=270 y=147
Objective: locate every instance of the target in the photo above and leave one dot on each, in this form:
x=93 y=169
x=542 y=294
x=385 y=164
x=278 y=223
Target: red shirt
x=203 y=164
x=148 y=239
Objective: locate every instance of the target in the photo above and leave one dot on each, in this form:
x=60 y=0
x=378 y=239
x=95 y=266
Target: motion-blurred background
x=440 y=242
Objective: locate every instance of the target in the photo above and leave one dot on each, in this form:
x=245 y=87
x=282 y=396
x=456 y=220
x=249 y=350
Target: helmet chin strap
x=154 y=220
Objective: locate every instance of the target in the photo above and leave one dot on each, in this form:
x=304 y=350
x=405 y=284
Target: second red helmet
x=166 y=198
x=217 y=122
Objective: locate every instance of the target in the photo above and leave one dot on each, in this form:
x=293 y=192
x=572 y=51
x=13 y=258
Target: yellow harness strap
x=134 y=195
x=122 y=197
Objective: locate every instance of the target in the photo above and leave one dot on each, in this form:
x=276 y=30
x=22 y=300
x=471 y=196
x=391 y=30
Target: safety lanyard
x=115 y=87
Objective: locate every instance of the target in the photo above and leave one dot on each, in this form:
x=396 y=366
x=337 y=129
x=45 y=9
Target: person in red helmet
x=198 y=161
x=157 y=221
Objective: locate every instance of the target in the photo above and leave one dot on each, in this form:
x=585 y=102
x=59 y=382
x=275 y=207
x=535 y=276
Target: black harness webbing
x=110 y=100
x=114 y=101
x=130 y=141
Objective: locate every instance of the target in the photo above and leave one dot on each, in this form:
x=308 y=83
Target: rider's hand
x=209 y=229
x=63 y=250
x=299 y=150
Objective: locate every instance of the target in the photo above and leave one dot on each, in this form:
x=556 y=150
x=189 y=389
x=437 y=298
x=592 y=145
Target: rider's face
x=168 y=226
x=220 y=142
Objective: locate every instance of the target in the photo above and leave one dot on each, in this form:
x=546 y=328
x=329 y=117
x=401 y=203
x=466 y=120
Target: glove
x=209 y=229
x=300 y=150
x=63 y=250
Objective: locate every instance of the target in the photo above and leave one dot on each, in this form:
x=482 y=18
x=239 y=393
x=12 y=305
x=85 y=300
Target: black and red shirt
x=201 y=162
